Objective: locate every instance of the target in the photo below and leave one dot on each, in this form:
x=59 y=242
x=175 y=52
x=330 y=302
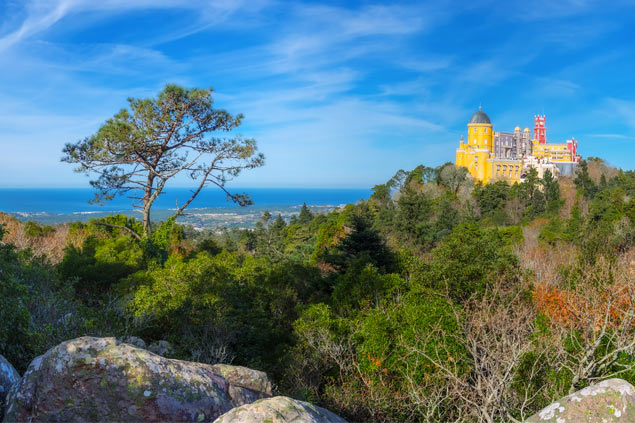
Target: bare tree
x=495 y=334
x=139 y=150
x=452 y=177
x=594 y=323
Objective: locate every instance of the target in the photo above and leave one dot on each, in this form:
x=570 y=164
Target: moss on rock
x=279 y=410
x=609 y=401
x=110 y=380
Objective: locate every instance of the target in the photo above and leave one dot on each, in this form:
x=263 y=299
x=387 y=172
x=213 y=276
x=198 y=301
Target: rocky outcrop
x=279 y=410
x=245 y=385
x=612 y=400
x=162 y=348
x=8 y=377
x=244 y=377
x=102 y=379
x=135 y=342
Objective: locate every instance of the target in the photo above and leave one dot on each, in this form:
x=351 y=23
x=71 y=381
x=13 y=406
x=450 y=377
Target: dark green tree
x=575 y=223
x=447 y=218
x=278 y=224
x=381 y=195
x=468 y=260
x=413 y=216
x=603 y=182
x=362 y=243
x=530 y=185
x=491 y=198
x=583 y=180
x=306 y=216
x=552 y=189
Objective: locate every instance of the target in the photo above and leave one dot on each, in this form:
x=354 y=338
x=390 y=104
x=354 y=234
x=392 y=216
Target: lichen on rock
x=135 y=341
x=244 y=377
x=279 y=410
x=611 y=400
x=162 y=348
x=102 y=379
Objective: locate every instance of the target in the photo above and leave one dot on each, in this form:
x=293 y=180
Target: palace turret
x=490 y=156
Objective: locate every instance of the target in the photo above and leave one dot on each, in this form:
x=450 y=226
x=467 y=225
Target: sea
x=211 y=208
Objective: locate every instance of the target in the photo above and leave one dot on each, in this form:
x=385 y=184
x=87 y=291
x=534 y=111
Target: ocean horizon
x=57 y=205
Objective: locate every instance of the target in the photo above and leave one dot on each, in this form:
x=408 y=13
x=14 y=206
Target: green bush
x=35 y=230
x=37 y=310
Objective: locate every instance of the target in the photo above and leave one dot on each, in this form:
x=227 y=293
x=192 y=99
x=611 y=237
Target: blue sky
x=338 y=94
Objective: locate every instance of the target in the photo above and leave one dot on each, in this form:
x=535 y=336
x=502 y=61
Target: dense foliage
x=436 y=300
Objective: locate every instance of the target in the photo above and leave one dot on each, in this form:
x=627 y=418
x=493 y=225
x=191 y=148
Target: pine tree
x=574 y=223
x=583 y=180
x=306 y=216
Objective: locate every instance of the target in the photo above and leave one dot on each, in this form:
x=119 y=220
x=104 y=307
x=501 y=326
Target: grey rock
x=611 y=400
x=279 y=410
x=162 y=348
x=102 y=379
x=244 y=377
x=135 y=341
x=8 y=377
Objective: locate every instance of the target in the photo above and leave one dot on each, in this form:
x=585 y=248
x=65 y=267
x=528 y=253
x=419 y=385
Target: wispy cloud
x=43 y=14
x=611 y=136
x=40 y=16
x=332 y=92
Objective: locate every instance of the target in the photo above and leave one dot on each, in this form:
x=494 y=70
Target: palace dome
x=480 y=117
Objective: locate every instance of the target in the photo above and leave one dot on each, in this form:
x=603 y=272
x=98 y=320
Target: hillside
x=435 y=300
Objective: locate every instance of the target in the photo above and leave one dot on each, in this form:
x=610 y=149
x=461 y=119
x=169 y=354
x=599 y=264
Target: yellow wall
x=507 y=170
x=480 y=135
x=475 y=154
x=555 y=152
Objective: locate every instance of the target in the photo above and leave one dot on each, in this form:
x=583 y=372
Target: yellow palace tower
x=492 y=156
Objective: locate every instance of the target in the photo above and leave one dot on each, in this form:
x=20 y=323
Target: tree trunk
x=147 y=204
x=147 y=229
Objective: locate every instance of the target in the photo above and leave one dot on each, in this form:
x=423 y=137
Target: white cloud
x=43 y=14
x=617 y=136
x=328 y=91
x=40 y=16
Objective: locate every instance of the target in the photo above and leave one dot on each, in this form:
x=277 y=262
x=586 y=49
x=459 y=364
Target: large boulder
x=279 y=410
x=612 y=400
x=102 y=379
x=8 y=377
x=244 y=377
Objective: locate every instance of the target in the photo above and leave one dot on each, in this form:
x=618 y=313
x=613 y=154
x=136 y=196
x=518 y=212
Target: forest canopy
x=435 y=300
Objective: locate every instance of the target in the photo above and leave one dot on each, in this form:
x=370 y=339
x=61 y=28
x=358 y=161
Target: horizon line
x=187 y=187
